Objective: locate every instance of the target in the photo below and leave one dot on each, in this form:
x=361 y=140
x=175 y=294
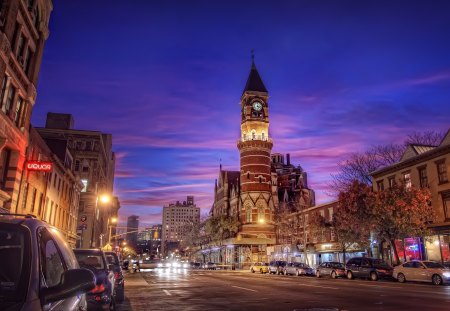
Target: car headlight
x=160 y=265
x=169 y=265
x=185 y=265
x=446 y=274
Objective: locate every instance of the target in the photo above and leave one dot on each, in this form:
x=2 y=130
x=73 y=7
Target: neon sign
x=39 y=166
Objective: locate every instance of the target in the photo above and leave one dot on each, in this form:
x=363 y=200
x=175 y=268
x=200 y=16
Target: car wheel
x=401 y=278
x=318 y=273
x=253 y=271
x=373 y=276
x=349 y=275
x=436 y=279
x=333 y=275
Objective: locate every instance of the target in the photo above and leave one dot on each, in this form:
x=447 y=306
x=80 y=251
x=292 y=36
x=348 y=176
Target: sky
x=165 y=79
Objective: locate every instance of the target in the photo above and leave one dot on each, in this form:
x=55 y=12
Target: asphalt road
x=241 y=290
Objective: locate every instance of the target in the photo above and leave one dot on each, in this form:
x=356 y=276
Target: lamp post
x=113 y=220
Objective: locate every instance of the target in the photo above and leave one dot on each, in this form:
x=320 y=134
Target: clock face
x=257 y=106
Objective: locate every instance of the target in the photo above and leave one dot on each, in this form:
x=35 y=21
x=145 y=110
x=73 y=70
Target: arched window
x=253 y=135
x=248 y=214
x=263 y=136
x=261 y=214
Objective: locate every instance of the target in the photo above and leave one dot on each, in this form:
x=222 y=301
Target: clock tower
x=255 y=146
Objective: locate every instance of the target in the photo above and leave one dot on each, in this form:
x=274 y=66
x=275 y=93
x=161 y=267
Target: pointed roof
x=254 y=81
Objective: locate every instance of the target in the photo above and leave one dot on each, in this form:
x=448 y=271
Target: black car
x=119 y=286
x=102 y=296
x=364 y=267
x=38 y=270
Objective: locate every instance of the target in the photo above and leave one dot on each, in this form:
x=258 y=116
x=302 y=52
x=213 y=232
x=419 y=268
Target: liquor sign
x=39 y=166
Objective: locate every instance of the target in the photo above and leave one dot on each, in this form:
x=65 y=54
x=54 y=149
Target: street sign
x=83 y=218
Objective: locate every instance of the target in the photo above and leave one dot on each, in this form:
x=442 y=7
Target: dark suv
x=277 y=267
x=38 y=270
x=363 y=267
x=102 y=296
x=119 y=286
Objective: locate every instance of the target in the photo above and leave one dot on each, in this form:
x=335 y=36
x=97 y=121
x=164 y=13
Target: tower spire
x=254 y=81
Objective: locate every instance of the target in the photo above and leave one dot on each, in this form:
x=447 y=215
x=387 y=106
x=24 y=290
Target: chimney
x=288 y=159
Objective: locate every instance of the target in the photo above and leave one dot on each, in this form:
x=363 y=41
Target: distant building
x=149 y=241
x=132 y=231
x=93 y=164
x=23 y=32
x=175 y=218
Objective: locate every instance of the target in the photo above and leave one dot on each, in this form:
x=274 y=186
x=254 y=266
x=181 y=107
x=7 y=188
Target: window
x=20 y=48
x=446 y=203
x=20 y=112
x=5 y=154
x=27 y=62
x=9 y=100
x=248 y=213
x=51 y=263
x=77 y=165
x=41 y=201
x=25 y=196
x=442 y=171
x=261 y=214
x=380 y=185
x=33 y=199
x=88 y=145
x=391 y=181
x=330 y=213
x=407 y=179
x=3 y=90
x=253 y=135
x=423 y=178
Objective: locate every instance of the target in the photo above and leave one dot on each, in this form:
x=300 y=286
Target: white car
x=422 y=271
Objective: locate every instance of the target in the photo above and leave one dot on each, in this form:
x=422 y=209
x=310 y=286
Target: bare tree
x=359 y=166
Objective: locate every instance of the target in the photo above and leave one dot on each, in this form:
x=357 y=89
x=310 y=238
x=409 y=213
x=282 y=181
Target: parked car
x=119 y=285
x=422 y=271
x=365 y=267
x=125 y=264
x=277 y=267
x=209 y=266
x=102 y=296
x=298 y=268
x=39 y=270
x=195 y=265
x=261 y=267
x=331 y=269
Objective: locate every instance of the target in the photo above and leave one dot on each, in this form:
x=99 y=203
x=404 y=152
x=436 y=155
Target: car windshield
x=15 y=266
x=432 y=264
x=112 y=259
x=90 y=260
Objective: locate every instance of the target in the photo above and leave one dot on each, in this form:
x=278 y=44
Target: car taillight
x=98 y=289
x=381 y=270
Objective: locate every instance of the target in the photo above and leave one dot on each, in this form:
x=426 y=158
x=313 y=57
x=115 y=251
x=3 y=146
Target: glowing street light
x=104 y=198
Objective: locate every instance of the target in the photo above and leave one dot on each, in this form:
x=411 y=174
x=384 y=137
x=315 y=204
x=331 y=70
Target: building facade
x=175 y=218
x=23 y=32
x=93 y=164
x=422 y=166
x=149 y=241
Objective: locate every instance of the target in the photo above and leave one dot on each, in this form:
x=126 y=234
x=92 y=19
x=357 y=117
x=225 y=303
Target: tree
x=359 y=165
x=401 y=212
x=219 y=228
x=352 y=217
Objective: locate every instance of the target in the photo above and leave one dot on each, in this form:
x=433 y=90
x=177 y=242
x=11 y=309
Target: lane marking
x=167 y=292
x=308 y=285
x=245 y=288
x=379 y=286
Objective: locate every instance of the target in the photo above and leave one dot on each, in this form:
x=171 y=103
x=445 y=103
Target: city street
x=241 y=290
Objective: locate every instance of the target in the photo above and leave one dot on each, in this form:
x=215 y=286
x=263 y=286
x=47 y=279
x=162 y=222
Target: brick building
x=23 y=32
x=263 y=185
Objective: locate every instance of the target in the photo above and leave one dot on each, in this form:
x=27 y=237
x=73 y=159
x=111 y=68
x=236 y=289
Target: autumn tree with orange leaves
x=401 y=212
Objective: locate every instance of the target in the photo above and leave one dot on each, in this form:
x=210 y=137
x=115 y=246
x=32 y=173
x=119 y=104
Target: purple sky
x=165 y=78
